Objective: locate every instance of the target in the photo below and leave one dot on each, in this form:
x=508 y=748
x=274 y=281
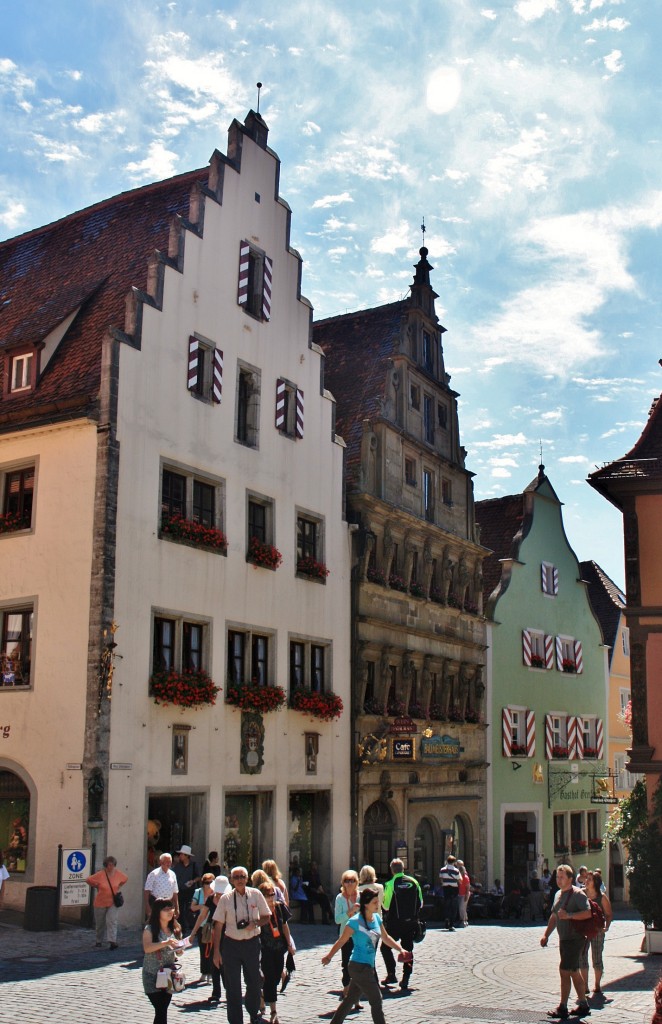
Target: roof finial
x=541 y=467
x=423 y=230
x=259 y=86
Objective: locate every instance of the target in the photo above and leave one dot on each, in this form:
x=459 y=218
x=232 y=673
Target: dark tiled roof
x=91 y=259
x=607 y=600
x=500 y=521
x=643 y=461
x=358 y=346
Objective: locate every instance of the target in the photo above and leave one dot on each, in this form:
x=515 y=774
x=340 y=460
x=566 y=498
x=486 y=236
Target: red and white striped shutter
x=530 y=718
x=526 y=647
x=507 y=732
x=571 y=724
x=217 y=376
x=579 y=657
x=549 y=652
x=192 y=375
x=299 y=423
x=555 y=573
x=580 y=739
x=549 y=737
x=543 y=578
x=559 y=654
x=242 y=287
x=266 y=288
x=599 y=738
x=280 y=405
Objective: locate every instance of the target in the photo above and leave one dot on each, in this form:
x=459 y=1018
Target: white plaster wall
x=159 y=419
x=47 y=722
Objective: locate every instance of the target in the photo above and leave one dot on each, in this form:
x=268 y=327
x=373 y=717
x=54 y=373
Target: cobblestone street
x=486 y=974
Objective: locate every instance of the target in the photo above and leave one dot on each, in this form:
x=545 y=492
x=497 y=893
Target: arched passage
x=378 y=837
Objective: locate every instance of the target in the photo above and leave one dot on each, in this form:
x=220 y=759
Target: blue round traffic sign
x=76 y=861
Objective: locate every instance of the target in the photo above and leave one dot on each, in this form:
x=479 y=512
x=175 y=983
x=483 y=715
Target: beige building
x=165 y=404
x=418 y=631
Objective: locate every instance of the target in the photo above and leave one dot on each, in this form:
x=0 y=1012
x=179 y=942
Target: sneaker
x=581 y=1010
x=560 y=1013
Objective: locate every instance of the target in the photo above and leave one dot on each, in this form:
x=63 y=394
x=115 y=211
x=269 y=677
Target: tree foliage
x=638 y=830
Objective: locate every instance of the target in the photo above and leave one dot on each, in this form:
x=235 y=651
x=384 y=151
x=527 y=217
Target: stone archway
x=378 y=830
x=424 y=852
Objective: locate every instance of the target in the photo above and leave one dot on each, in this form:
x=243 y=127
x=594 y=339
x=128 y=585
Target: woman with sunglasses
x=363 y=931
x=276 y=941
x=347 y=904
x=160 y=938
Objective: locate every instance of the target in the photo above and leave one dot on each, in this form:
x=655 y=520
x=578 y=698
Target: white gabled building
x=203 y=509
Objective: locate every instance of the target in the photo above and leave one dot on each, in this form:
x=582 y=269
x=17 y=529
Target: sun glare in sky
x=444 y=88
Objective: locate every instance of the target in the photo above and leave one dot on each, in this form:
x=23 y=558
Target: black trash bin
x=41 y=909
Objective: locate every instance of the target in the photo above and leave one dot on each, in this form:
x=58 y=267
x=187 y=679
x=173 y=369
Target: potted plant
x=307 y=566
x=188 y=531
x=325 y=706
x=252 y=697
x=376 y=576
x=264 y=555
x=537 y=661
x=188 y=689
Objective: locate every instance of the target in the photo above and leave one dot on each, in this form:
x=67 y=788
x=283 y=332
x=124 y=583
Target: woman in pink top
x=464 y=893
x=107 y=882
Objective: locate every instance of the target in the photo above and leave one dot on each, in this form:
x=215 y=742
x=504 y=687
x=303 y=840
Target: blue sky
x=527 y=134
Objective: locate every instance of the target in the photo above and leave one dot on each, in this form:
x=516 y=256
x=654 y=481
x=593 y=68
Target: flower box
x=454 y=601
x=518 y=750
x=373 y=707
x=455 y=716
x=396 y=582
x=396 y=709
x=560 y=752
x=188 y=689
x=10 y=522
x=189 y=531
x=561 y=851
x=307 y=566
x=470 y=607
x=436 y=713
x=595 y=844
x=376 y=576
x=579 y=846
x=472 y=717
x=537 y=661
x=568 y=665
x=417 y=590
x=326 y=706
x=590 y=752
x=250 y=697
x=436 y=595
x=416 y=710
x=262 y=555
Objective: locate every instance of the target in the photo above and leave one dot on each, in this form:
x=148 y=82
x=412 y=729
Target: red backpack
x=593 y=925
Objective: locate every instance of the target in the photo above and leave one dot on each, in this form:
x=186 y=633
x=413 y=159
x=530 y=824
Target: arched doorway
x=378 y=838
x=14 y=820
x=424 y=852
x=460 y=840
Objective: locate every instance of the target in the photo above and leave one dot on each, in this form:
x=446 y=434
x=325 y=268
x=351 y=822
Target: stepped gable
x=358 y=347
x=500 y=521
x=642 y=462
x=607 y=600
x=90 y=259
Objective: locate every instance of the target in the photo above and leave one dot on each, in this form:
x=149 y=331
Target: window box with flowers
x=560 y=753
x=188 y=531
x=436 y=595
x=416 y=590
x=561 y=851
x=396 y=708
x=595 y=844
x=373 y=707
x=396 y=582
x=264 y=556
x=416 y=710
x=471 y=607
x=518 y=750
x=376 y=576
x=568 y=665
x=590 y=753
x=307 y=566
x=436 y=713
x=251 y=697
x=454 y=601
x=326 y=706
x=537 y=661
x=579 y=846
x=472 y=717
x=10 y=522
x=188 y=689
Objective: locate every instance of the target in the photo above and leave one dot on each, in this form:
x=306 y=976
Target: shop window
x=14 y=821
x=16 y=647
x=17 y=499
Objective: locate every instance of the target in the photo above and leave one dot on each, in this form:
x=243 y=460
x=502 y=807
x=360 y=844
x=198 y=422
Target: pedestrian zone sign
x=74 y=890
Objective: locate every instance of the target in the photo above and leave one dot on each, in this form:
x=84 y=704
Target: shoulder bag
x=118 y=898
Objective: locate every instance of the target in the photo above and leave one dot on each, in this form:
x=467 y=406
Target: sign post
x=75 y=868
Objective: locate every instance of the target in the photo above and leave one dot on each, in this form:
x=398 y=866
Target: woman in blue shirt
x=365 y=929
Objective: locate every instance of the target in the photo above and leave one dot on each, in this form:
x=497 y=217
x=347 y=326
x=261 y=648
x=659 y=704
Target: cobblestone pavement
x=488 y=973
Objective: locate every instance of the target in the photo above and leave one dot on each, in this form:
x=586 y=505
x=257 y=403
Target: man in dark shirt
x=402 y=902
x=188 y=876
x=449 y=879
x=570 y=904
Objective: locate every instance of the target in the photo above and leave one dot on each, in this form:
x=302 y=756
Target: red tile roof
x=642 y=464
x=500 y=521
x=607 y=600
x=91 y=259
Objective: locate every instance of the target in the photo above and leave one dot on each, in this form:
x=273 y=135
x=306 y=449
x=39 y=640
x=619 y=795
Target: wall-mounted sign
x=404 y=726
x=439 y=748
x=372 y=749
x=604 y=800
x=74 y=767
x=403 y=750
x=120 y=766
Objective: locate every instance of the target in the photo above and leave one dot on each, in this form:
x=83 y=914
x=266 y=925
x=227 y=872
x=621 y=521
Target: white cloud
x=159 y=163
x=295 y=51
x=58 y=152
x=488 y=13
x=573 y=458
x=325 y=201
x=613 y=63
x=75 y=76
x=397 y=237
x=310 y=128
x=502 y=441
x=616 y=24
x=455 y=175
x=553 y=416
x=503 y=460
x=501 y=473
x=12 y=214
x=531 y=10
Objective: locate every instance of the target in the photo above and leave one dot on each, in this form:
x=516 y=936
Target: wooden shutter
x=299 y=423
x=530 y=719
x=559 y=654
x=549 y=652
x=242 y=287
x=507 y=732
x=543 y=578
x=192 y=375
x=549 y=737
x=217 y=376
x=571 y=730
x=599 y=738
x=579 y=657
x=579 y=742
x=266 y=288
x=280 y=405
x=526 y=647
x=555 y=575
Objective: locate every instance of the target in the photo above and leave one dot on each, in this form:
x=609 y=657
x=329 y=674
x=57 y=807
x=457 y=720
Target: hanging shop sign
x=404 y=726
x=403 y=750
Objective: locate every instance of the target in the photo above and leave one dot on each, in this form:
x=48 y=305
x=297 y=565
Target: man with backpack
x=570 y=904
x=402 y=903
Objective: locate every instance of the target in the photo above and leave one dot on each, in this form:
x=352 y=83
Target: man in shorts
x=570 y=904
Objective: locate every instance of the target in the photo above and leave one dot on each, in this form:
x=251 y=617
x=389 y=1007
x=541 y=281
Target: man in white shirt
x=240 y=914
x=161 y=884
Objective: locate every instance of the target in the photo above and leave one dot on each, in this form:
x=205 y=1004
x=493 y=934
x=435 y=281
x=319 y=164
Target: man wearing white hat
x=220 y=885
x=188 y=876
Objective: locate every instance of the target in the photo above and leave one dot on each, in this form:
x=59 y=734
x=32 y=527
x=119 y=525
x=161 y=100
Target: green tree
x=639 y=830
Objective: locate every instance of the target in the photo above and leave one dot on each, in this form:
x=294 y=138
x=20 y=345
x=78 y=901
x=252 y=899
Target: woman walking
x=276 y=941
x=107 y=883
x=594 y=892
x=273 y=872
x=346 y=906
x=160 y=939
x=198 y=906
x=204 y=925
x=364 y=931
x=464 y=893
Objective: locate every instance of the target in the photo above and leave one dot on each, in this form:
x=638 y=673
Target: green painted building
x=547 y=683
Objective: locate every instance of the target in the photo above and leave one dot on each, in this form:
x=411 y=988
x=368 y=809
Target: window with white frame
x=625 y=640
x=624 y=698
x=249 y=657
x=310 y=546
x=589 y=736
x=189 y=496
x=559 y=735
x=560 y=834
x=310 y=665
x=537 y=648
x=20 y=371
x=179 y=643
x=549 y=576
x=16 y=646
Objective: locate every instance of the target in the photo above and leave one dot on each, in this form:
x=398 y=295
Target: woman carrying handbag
x=160 y=940
x=107 y=901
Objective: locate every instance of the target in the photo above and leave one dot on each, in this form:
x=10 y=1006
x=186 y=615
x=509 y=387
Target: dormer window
x=20 y=372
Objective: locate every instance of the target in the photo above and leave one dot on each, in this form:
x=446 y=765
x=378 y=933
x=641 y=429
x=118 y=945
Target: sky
x=525 y=133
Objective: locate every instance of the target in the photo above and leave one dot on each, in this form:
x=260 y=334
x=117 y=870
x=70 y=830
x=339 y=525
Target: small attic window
x=20 y=372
